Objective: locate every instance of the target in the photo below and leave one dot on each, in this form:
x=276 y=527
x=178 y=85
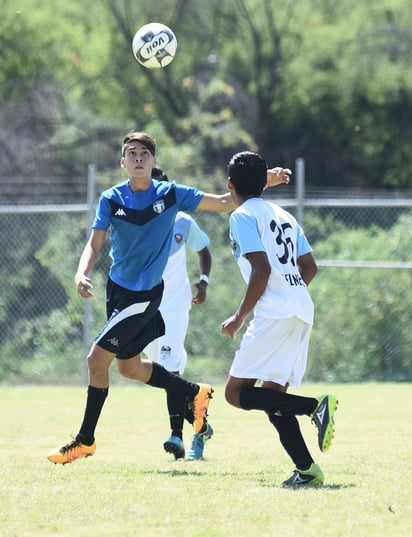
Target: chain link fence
x=362 y=293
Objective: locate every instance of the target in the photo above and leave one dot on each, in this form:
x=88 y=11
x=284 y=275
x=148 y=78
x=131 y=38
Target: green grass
x=132 y=488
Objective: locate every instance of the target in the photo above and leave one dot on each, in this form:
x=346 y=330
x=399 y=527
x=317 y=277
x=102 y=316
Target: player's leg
x=173 y=356
x=242 y=393
x=268 y=350
x=198 y=395
x=290 y=436
x=84 y=444
x=176 y=403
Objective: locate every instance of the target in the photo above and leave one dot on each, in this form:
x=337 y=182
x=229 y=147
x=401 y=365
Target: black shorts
x=133 y=320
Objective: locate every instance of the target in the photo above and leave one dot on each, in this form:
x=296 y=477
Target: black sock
x=176 y=405
x=95 y=401
x=162 y=378
x=189 y=415
x=291 y=438
x=273 y=401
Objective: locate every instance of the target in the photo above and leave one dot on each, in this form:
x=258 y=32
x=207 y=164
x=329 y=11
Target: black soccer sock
x=189 y=417
x=176 y=405
x=162 y=378
x=273 y=401
x=291 y=438
x=95 y=401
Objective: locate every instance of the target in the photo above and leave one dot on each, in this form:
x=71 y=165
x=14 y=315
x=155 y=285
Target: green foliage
x=324 y=81
x=356 y=307
x=362 y=316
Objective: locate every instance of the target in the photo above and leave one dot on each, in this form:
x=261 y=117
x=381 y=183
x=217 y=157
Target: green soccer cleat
x=322 y=417
x=304 y=478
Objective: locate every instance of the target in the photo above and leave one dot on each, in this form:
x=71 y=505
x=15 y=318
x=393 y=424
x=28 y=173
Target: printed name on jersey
x=294 y=280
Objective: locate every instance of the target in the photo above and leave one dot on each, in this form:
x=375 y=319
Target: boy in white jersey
x=169 y=350
x=276 y=262
x=140 y=213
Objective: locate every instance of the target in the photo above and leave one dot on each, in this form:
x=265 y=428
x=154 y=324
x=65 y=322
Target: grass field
x=132 y=488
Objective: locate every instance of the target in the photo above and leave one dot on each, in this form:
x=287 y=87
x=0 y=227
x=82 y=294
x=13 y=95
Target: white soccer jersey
x=186 y=232
x=258 y=225
x=169 y=350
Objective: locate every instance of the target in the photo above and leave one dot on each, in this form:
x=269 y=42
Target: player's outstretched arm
x=224 y=203
x=278 y=176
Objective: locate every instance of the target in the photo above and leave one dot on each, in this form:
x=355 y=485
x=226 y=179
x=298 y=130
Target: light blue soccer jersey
x=141 y=226
x=260 y=226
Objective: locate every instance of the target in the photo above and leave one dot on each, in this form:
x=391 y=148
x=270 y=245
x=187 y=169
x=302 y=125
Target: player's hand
x=231 y=326
x=84 y=287
x=200 y=296
x=278 y=176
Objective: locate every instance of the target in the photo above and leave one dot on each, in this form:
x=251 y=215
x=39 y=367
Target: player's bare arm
x=224 y=203
x=278 y=176
x=258 y=280
x=307 y=267
x=205 y=265
x=87 y=261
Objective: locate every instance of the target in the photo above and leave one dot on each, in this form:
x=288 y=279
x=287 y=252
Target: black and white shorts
x=133 y=320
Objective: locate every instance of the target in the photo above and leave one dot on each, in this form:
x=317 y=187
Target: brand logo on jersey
x=113 y=341
x=120 y=212
x=159 y=206
x=178 y=237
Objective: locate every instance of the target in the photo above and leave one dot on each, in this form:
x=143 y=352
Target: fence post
x=300 y=189
x=88 y=304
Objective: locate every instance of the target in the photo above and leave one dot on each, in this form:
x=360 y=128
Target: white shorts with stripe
x=273 y=350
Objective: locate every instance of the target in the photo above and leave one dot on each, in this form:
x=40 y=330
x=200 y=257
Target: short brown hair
x=141 y=137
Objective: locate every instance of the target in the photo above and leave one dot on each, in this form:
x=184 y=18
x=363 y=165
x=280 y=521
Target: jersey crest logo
x=178 y=238
x=159 y=206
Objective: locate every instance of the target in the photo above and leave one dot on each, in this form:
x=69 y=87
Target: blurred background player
x=169 y=350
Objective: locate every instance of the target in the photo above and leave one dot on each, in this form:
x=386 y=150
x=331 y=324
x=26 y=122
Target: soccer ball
x=154 y=45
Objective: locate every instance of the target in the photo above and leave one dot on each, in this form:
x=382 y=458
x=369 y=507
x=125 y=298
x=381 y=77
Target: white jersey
x=169 y=350
x=177 y=291
x=258 y=225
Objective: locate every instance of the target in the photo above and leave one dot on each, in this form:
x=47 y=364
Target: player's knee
x=93 y=364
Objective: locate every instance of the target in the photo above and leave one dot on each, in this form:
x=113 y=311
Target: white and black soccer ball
x=154 y=45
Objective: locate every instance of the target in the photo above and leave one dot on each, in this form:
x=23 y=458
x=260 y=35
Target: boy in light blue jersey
x=140 y=213
x=276 y=263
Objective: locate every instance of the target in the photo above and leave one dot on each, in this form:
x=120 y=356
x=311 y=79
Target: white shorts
x=169 y=350
x=274 y=350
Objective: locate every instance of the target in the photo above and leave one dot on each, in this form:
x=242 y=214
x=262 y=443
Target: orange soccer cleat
x=71 y=451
